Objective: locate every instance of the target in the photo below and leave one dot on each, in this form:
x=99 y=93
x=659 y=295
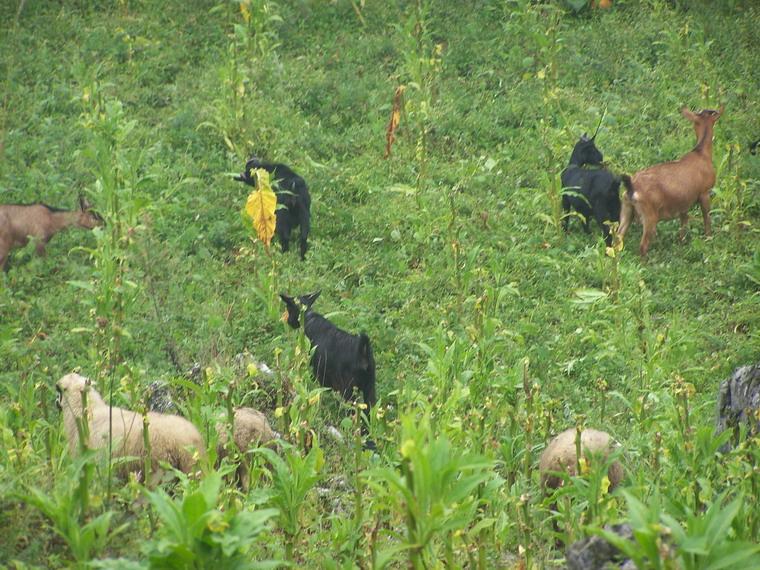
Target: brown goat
x=667 y=191
x=18 y=223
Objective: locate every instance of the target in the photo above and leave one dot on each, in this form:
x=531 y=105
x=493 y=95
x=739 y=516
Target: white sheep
x=560 y=456
x=173 y=439
x=250 y=429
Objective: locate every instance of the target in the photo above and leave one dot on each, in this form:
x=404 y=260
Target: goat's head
x=252 y=164
x=585 y=152
x=86 y=216
x=703 y=119
x=296 y=304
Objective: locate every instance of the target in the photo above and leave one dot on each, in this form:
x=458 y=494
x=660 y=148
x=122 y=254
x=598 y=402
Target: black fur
x=628 y=185
x=294 y=202
x=753 y=146
x=341 y=360
x=597 y=189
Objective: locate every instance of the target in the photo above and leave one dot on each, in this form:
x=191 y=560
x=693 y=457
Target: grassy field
x=492 y=329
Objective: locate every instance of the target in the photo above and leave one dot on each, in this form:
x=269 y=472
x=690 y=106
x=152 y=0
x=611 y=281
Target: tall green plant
x=432 y=490
x=698 y=540
x=199 y=532
x=292 y=479
x=86 y=536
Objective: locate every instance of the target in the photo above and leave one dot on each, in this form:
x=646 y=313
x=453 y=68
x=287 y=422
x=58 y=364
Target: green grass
x=492 y=330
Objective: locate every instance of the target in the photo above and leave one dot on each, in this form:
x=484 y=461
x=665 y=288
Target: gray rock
x=160 y=398
x=595 y=553
x=739 y=401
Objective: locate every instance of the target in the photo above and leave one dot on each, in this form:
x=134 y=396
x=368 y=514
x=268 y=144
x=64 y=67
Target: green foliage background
x=492 y=329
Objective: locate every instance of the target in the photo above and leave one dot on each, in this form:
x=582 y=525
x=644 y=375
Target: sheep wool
x=250 y=428
x=173 y=439
x=559 y=456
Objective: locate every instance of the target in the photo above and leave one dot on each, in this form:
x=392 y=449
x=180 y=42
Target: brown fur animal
x=250 y=428
x=18 y=223
x=666 y=191
x=173 y=439
x=560 y=456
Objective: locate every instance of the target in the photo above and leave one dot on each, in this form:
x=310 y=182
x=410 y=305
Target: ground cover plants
x=492 y=329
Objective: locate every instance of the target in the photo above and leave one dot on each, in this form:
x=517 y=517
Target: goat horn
x=604 y=113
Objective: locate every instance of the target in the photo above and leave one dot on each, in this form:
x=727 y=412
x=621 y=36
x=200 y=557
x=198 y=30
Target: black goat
x=593 y=192
x=753 y=146
x=292 y=198
x=341 y=361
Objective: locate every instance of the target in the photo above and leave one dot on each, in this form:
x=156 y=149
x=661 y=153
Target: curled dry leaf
x=390 y=133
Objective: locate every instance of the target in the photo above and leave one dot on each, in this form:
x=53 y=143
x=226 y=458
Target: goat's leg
x=684 y=222
x=304 y=222
x=650 y=229
x=626 y=215
x=5 y=249
x=566 y=211
x=704 y=203
x=602 y=215
x=283 y=233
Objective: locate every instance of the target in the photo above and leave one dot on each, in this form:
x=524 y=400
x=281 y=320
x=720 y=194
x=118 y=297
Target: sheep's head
x=585 y=152
x=296 y=305
x=71 y=386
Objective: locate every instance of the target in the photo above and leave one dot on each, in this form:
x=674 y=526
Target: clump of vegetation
x=492 y=329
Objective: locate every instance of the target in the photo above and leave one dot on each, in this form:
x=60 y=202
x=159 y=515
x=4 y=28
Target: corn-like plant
x=292 y=479
x=198 y=532
x=671 y=535
x=85 y=536
x=433 y=490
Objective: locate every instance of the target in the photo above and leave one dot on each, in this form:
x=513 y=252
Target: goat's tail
x=364 y=345
x=628 y=185
x=367 y=361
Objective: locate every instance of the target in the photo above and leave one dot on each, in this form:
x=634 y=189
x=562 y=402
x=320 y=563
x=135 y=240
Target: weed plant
x=493 y=330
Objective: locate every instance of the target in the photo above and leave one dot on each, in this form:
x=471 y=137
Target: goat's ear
x=688 y=114
x=309 y=299
x=720 y=111
x=584 y=137
x=286 y=299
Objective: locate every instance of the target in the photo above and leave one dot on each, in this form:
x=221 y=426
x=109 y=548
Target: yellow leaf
x=261 y=206
x=245 y=10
